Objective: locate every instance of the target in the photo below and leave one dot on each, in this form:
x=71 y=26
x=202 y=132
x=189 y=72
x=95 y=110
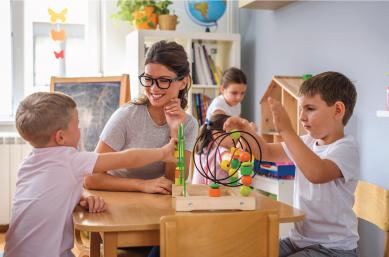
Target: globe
x=206 y=12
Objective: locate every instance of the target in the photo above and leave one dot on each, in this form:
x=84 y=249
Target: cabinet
x=223 y=48
x=284 y=89
x=282 y=189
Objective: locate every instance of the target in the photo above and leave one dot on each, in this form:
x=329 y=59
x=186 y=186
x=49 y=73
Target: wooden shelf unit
x=265 y=5
x=285 y=90
x=382 y=114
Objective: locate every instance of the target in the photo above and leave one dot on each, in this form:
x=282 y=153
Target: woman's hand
x=174 y=115
x=159 y=185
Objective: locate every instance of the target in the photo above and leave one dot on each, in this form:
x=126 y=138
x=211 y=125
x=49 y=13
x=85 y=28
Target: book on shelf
x=200 y=106
x=204 y=69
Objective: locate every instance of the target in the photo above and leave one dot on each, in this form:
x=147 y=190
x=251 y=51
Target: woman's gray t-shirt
x=131 y=126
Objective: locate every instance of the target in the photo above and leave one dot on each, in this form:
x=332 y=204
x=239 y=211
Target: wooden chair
x=243 y=234
x=372 y=205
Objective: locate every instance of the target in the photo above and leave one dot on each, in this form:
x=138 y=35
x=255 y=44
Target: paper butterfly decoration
x=58 y=35
x=57 y=16
x=61 y=54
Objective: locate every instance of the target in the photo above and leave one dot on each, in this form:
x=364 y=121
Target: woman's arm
x=113 y=183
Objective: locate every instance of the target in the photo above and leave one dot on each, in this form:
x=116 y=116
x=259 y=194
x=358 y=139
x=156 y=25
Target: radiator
x=13 y=149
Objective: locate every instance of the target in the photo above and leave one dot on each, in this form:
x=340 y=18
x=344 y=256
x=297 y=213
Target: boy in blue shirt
x=327 y=166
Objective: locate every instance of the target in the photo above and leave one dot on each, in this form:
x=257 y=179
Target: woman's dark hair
x=215 y=122
x=173 y=56
x=233 y=75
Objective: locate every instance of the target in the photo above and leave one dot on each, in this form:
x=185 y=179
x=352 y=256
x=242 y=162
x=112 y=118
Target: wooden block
x=198 y=199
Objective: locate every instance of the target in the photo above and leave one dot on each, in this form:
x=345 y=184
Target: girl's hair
x=172 y=56
x=215 y=122
x=233 y=75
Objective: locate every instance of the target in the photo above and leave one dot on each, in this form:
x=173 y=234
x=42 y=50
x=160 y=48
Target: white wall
x=312 y=37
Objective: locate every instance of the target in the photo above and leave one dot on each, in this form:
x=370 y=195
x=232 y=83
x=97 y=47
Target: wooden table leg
x=110 y=242
x=95 y=241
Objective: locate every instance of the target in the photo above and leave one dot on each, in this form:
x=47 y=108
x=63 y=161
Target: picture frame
x=97 y=98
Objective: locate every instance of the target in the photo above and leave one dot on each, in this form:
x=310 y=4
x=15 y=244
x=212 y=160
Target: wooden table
x=132 y=219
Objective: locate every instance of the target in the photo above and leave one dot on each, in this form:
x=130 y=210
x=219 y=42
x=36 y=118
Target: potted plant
x=141 y=13
x=166 y=20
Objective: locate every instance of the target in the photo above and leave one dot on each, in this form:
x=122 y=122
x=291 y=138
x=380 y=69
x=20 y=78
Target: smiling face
x=234 y=93
x=160 y=97
x=320 y=120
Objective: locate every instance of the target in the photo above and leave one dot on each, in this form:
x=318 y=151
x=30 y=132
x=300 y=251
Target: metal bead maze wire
x=216 y=141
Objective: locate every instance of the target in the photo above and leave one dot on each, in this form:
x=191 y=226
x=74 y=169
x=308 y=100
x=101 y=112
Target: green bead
x=235 y=135
x=245 y=190
x=233 y=181
x=246 y=171
x=214 y=185
x=235 y=163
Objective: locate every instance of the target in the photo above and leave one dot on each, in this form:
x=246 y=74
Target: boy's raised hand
x=93 y=203
x=281 y=119
x=168 y=151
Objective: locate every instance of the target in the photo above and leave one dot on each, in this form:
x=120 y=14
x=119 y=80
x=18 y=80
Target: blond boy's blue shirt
x=329 y=220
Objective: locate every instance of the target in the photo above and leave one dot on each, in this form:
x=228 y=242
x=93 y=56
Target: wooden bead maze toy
x=233 y=191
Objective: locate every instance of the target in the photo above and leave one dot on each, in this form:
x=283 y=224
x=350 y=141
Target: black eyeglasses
x=162 y=83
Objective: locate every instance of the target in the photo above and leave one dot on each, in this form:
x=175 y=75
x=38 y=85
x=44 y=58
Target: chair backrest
x=372 y=205
x=243 y=234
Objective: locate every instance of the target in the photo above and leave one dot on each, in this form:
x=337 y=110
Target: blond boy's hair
x=41 y=114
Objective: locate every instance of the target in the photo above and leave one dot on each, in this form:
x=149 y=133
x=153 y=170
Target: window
x=5 y=61
x=46 y=65
x=29 y=67
x=81 y=55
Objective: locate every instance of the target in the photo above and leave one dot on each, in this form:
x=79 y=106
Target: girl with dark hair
x=232 y=91
x=150 y=121
x=206 y=151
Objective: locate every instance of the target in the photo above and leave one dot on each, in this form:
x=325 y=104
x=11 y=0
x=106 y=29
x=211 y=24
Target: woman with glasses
x=149 y=122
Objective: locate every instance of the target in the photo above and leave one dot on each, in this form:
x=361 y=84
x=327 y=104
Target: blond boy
x=50 y=178
x=327 y=166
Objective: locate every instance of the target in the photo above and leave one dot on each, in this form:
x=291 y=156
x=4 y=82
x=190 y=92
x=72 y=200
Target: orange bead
x=244 y=157
x=177 y=173
x=246 y=180
x=214 y=192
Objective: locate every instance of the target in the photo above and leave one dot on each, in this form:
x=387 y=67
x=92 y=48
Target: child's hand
x=174 y=115
x=281 y=119
x=93 y=203
x=238 y=123
x=168 y=151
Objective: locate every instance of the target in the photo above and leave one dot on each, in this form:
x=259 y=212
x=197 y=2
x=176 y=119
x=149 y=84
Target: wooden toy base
x=197 y=199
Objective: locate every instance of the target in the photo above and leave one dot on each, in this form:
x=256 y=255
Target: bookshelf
x=223 y=49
